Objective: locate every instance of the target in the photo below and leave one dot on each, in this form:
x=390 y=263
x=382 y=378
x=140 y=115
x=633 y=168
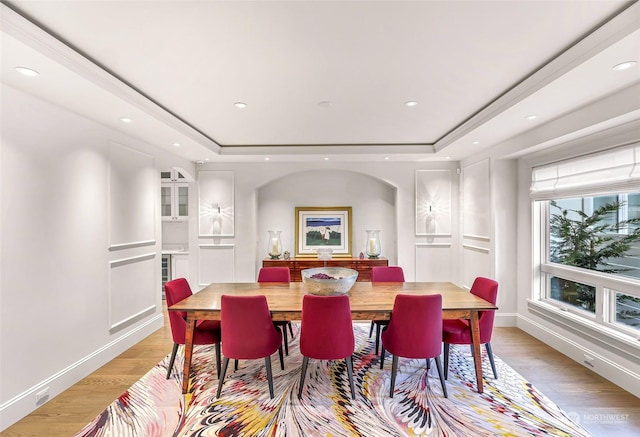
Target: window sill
x=616 y=342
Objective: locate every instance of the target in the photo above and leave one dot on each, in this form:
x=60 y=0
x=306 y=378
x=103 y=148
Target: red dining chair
x=326 y=333
x=384 y=274
x=414 y=331
x=207 y=331
x=248 y=333
x=459 y=332
x=278 y=274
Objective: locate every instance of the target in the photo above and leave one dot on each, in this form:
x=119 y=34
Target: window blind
x=612 y=171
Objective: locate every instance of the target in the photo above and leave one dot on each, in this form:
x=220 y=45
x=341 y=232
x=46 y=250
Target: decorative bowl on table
x=327 y=281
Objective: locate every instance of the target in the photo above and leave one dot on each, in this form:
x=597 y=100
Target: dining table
x=368 y=301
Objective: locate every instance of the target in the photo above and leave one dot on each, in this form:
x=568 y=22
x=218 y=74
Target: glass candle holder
x=275 y=245
x=373 y=244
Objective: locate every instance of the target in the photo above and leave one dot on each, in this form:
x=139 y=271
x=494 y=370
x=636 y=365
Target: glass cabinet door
x=182 y=200
x=166 y=204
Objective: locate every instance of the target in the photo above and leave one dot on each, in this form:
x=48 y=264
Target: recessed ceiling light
x=267 y=158
x=207 y=159
x=325 y=104
x=240 y=105
x=126 y=120
x=476 y=142
x=447 y=157
x=27 y=72
x=410 y=103
x=326 y=159
x=176 y=144
x=624 y=66
x=386 y=158
x=531 y=117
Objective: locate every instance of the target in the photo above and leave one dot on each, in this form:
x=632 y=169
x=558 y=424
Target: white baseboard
x=20 y=406
x=506 y=320
x=604 y=366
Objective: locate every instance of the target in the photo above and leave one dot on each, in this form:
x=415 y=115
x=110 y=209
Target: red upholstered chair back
x=488 y=290
x=415 y=328
x=274 y=274
x=387 y=274
x=175 y=291
x=247 y=328
x=326 y=331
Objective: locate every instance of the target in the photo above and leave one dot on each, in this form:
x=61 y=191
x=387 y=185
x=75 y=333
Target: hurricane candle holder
x=275 y=244
x=373 y=244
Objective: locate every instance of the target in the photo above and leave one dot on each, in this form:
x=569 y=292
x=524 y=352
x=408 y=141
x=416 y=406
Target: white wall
x=373 y=204
x=382 y=196
x=80 y=248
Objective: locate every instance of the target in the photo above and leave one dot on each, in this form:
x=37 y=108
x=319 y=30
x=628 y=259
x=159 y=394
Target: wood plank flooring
x=601 y=407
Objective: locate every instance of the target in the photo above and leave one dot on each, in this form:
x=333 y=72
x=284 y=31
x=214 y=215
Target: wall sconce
x=216 y=211
x=430 y=221
x=216 y=215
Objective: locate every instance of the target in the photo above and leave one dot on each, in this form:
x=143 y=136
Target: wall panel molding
x=433 y=202
x=133 y=290
x=217 y=263
x=131 y=245
x=476 y=248
x=433 y=244
x=433 y=262
x=133 y=196
x=476 y=199
x=216 y=209
x=476 y=237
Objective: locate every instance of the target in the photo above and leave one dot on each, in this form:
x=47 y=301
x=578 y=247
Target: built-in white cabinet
x=174 y=200
x=180 y=266
x=174 y=266
x=172 y=175
x=174 y=195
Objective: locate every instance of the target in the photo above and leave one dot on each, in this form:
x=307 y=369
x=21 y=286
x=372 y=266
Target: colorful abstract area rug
x=509 y=406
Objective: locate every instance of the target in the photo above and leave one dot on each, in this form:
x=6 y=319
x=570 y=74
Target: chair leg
x=350 y=375
x=281 y=357
x=493 y=363
x=371 y=329
x=172 y=359
x=286 y=340
x=303 y=373
x=428 y=364
x=444 y=386
x=225 y=363
x=382 y=357
x=377 y=337
x=218 y=358
x=235 y=365
x=290 y=329
x=394 y=370
x=267 y=364
x=446 y=360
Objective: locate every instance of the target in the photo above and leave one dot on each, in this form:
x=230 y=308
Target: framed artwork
x=323 y=227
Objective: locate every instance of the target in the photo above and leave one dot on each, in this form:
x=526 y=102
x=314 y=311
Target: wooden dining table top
x=368 y=300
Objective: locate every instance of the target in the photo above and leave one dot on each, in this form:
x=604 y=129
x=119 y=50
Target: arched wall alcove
x=373 y=203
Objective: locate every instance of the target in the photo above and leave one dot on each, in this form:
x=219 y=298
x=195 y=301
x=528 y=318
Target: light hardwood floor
x=601 y=407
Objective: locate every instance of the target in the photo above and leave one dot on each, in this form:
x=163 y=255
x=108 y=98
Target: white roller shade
x=612 y=171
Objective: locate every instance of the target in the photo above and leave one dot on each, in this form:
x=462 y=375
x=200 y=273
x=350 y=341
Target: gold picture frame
x=323 y=227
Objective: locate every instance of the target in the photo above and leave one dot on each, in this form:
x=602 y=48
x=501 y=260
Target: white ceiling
x=476 y=69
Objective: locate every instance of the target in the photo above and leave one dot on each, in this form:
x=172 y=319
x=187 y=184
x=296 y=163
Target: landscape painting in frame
x=323 y=227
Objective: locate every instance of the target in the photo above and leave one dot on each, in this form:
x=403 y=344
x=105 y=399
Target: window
x=589 y=253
